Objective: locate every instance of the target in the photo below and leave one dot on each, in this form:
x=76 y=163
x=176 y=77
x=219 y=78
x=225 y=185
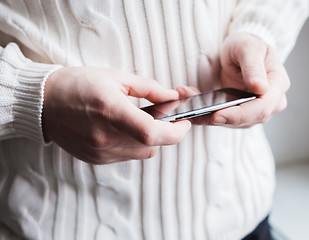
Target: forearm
x=21 y=94
x=276 y=22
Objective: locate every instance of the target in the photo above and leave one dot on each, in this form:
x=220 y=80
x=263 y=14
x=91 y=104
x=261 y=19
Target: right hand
x=87 y=112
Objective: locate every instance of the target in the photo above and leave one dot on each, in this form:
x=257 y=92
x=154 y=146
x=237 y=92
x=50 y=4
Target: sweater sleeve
x=277 y=22
x=21 y=94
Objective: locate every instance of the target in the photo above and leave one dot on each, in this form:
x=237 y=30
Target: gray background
x=288 y=131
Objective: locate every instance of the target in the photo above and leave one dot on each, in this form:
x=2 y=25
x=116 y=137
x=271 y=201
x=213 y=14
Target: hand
x=87 y=112
x=250 y=64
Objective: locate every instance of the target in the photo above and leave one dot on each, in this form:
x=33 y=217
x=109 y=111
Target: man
x=69 y=132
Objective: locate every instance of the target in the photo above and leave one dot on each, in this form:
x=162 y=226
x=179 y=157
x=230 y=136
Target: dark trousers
x=261 y=232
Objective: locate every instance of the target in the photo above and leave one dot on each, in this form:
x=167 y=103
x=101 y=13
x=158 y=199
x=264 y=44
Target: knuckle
x=264 y=116
x=148 y=136
x=150 y=153
x=99 y=140
x=95 y=141
x=265 y=120
x=282 y=106
x=287 y=84
x=96 y=104
x=153 y=151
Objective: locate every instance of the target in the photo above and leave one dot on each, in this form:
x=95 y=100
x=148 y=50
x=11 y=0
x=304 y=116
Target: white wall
x=288 y=132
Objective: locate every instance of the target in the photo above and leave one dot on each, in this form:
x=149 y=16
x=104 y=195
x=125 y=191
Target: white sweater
x=216 y=184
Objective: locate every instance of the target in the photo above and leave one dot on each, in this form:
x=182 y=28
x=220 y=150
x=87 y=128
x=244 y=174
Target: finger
x=169 y=133
x=144 y=128
x=261 y=109
x=202 y=120
x=160 y=111
x=276 y=72
x=251 y=57
x=140 y=87
x=123 y=154
x=139 y=153
x=282 y=105
x=187 y=91
x=106 y=137
x=256 y=111
x=240 y=120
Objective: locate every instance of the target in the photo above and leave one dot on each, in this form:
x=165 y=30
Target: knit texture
x=22 y=89
x=216 y=184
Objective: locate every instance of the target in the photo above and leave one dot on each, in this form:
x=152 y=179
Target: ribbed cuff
x=257 y=30
x=26 y=80
x=29 y=94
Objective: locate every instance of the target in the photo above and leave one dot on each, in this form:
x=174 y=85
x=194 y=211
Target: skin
x=250 y=64
x=87 y=112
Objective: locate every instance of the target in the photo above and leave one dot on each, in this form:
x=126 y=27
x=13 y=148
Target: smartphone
x=198 y=105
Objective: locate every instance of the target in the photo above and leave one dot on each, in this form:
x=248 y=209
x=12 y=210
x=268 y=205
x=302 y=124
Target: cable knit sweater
x=216 y=184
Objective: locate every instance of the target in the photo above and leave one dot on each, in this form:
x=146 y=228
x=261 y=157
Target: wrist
x=257 y=30
x=47 y=114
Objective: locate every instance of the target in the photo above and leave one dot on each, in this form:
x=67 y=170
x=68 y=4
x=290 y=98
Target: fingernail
x=174 y=93
x=181 y=91
x=219 y=120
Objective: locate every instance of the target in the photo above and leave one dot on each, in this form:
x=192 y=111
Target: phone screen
x=198 y=105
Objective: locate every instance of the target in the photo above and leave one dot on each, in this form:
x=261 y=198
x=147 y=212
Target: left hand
x=250 y=64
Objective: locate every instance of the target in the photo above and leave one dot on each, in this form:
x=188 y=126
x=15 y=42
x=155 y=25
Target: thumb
x=251 y=59
x=143 y=127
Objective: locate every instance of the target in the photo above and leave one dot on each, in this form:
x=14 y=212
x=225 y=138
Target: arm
x=260 y=35
x=84 y=110
x=276 y=22
x=87 y=112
